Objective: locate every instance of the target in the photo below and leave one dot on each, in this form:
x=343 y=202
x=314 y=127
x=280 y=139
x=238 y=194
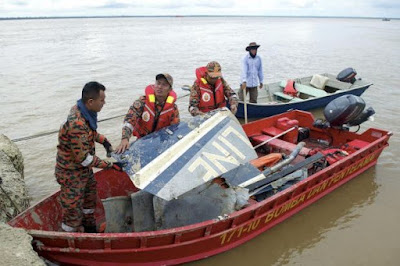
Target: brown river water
x=45 y=63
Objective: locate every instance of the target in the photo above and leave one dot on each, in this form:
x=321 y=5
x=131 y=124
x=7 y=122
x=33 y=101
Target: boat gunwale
x=338 y=92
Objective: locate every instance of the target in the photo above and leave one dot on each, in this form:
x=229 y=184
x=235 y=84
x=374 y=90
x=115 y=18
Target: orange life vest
x=148 y=122
x=290 y=89
x=211 y=97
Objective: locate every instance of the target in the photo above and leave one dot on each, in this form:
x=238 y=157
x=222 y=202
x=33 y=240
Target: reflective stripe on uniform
x=166 y=111
x=219 y=85
x=170 y=99
x=152 y=98
x=149 y=109
x=128 y=125
x=67 y=228
x=88 y=211
x=88 y=160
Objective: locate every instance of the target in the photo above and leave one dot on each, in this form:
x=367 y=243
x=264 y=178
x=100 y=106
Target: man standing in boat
x=252 y=73
x=76 y=158
x=151 y=112
x=210 y=91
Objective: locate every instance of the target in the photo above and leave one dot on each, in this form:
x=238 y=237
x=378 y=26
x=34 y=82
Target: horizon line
x=144 y=16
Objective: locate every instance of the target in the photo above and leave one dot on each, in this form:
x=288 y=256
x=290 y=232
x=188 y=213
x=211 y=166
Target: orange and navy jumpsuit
x=75 y=160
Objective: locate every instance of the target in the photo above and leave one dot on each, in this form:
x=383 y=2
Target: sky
x=335 y=8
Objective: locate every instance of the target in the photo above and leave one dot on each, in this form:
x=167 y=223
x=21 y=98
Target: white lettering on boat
x=238 y=232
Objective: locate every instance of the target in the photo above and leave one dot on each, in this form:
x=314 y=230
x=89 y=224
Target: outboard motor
x=347 y=75
x=346 y=110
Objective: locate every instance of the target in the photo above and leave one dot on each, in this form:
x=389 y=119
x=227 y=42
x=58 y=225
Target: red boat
x=358 y=152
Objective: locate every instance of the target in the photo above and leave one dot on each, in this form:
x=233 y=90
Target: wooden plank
x=310 y=90
x=283 y=95
x=338 y=84
x=305 y=89
x=296 y=100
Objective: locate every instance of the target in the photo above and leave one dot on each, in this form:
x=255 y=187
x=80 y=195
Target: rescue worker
x=210 y=91
x=151 y=112
x=252 y=73
x=76 y=158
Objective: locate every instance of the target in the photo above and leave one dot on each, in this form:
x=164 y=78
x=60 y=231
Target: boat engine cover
x=347 y=75
x=343 y=109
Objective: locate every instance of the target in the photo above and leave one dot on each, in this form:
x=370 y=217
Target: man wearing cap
x=151 y=112
x=252 y=73
x=210 y=91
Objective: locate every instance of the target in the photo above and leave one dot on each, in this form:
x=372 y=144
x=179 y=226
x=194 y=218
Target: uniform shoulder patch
x=137 y=104
x=206 y=97
x=146 y=116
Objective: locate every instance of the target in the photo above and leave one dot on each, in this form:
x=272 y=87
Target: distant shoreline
x=182 y=16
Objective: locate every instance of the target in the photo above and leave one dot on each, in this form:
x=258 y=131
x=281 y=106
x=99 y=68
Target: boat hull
x=197 y=241
x=266 y=110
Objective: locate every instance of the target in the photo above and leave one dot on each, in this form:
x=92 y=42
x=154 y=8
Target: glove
x=117 y=166
x=234 y=109
x=108 y=147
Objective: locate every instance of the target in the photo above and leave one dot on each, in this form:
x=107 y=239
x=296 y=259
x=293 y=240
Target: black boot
x=90 y=229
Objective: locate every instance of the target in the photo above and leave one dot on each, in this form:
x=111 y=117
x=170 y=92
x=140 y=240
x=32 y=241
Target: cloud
x=365 y=8
x=213 y=4
x=19 y=3
x=385 y=4
x=303 y=3
x=115 y=5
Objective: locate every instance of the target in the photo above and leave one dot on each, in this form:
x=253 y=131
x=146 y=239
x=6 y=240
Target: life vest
x=266 y=161
x=148 y=122
x=211 y=97
x=290 y=89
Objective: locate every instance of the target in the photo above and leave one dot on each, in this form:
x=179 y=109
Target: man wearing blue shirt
x=252 y=73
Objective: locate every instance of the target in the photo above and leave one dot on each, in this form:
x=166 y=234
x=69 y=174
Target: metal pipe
x=276 y=167
x=245 y=104
x=275 y=137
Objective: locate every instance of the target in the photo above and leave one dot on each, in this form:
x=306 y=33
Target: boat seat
x=279 y=144
x=272 y=131
x=296 y=99
x=336 y=84
x=306 y=89
x=310 y=90
x=285 y=96
x=358 y=144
